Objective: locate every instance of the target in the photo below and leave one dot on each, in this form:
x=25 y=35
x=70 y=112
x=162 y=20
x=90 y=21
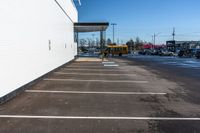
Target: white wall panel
x=68 y=7
x=26 y=27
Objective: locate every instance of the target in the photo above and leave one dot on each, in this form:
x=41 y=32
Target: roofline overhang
x=90 y=26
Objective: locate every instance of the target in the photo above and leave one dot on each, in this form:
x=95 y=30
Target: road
x=127 y=95
x=185 y=71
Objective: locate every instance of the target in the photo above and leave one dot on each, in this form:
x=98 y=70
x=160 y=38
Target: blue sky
x=143 y=18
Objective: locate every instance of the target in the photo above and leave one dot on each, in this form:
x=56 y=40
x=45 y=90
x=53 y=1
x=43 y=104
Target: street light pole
x=173 y=34
x=113 y=24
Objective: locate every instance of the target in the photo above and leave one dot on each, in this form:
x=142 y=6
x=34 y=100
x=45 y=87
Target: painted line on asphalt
x=111 y=65
x=79 y=63
x=94 y=74
x=100 y=118
x=108 y=62
x=93 y=92
x=99 y=66
x=84 y=67
x=84 y=64
x=105 y=81
x=106 y=70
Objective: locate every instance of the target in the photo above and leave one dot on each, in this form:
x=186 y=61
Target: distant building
x=180 y=45
x=151 y=46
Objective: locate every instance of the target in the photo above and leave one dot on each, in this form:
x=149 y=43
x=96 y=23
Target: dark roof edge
x=92 y=24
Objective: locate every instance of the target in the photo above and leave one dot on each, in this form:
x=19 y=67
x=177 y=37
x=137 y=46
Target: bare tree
x=109 y=41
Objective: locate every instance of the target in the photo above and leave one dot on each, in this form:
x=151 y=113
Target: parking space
x=86 y=96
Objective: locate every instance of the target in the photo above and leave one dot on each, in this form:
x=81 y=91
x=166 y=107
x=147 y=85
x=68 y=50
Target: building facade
x=36 y=37
x=182 y=45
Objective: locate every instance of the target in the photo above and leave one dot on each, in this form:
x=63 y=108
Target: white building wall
x=26 y=29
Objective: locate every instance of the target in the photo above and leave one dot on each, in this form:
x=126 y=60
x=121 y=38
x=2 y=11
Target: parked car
x=187 y=53
x=181 y=53
x=155 y=52
x=166 y=53
x=197 y=54
x=145 y=52
x=142 y=52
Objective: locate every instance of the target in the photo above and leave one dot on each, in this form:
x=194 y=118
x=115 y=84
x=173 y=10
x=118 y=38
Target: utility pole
x=154 y=38
x=113 y=24
x=174 y=33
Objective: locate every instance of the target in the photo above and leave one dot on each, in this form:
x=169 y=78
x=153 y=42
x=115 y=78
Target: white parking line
x=94 y=74
x=85 y=67
x=106 y=70
x=108 y=62
x=95 y=92
x=111 y=65
x=101 y=66
x=100 y=118
x=105 y=81
x=82 y=64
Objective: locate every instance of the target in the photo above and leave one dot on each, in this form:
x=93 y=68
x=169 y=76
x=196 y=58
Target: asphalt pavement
x=184 y=71
x=127 y=95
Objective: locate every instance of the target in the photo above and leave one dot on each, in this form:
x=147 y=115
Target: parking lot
x=88 y=96
x=191 y=63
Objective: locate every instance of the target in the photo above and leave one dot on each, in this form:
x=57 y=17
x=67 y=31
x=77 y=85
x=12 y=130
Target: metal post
x=93 y=41
x=113 y=24
x=104 y=38
x=154 y=38
x=173 y=34
x=101 y=41
x=77 y=40
x=101 y=44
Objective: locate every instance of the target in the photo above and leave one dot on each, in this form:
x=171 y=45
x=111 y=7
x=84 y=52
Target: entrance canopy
x=90 y=27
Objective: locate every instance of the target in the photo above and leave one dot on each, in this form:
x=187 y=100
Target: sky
x=143 y=18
